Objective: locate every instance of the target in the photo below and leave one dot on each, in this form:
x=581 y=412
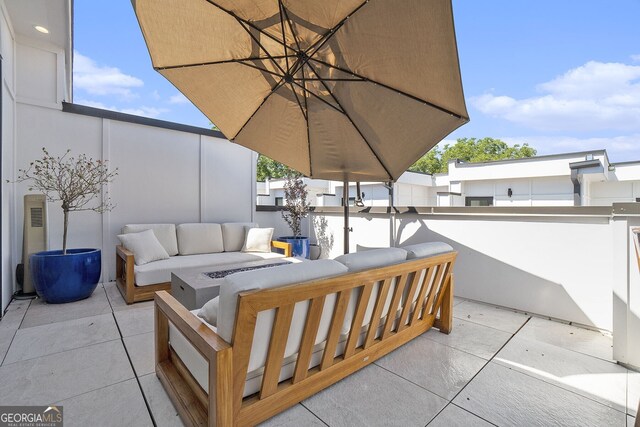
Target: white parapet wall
x=558 y=265
x=576 y=264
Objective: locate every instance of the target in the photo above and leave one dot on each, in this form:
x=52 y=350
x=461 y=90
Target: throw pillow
x=209 y=312
x=144 y=245
x=258 y=240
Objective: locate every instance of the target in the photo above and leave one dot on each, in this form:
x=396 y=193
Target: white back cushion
x=233 y=234
x=258 y=240
x=166 y=234
x=372 y=258
x=272 y=278
x=209 y=312
x=199 y=238
x=423 y=250
x=144 y=245
x=366 y=260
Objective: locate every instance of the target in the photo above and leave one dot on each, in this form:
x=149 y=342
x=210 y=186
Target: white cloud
x=593 y=97
x=144 y=111
x=102 y=80
x=619 y=148
x=178 y=99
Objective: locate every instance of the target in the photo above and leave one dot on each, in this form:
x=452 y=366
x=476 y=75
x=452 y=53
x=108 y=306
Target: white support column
x=106 y=216
x=626 y=286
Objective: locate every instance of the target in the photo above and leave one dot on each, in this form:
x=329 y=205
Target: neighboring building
x=571 y=179
x=411 y=189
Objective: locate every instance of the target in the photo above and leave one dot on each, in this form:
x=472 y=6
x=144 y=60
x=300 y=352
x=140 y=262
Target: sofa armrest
x=217 y=352
x=282 y=245
x=124 y=253
x=125 y=279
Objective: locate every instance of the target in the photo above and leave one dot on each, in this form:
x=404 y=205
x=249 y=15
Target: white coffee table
x=193 y=287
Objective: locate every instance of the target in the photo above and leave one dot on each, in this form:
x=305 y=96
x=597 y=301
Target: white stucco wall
x=164 y=175
x=7 y=46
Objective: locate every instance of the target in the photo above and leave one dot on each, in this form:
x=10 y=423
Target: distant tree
x=268 y=168
x=470 y=150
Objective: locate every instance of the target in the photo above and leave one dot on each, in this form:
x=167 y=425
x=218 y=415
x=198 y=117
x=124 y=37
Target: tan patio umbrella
x=345 y=90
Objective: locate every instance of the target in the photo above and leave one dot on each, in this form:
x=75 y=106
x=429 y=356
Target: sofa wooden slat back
x=283 y=299
x=418 y=290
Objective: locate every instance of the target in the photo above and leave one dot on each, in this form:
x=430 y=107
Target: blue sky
x=561 y=75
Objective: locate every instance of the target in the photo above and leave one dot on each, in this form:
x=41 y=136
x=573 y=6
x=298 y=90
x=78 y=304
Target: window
x=279 y=201
x=352 y=201
x=478 y=201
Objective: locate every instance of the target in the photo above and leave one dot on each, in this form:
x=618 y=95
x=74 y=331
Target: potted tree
x=296 y=207
x=67 y=275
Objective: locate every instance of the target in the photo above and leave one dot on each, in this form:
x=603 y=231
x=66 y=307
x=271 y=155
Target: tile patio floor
x=95 y=357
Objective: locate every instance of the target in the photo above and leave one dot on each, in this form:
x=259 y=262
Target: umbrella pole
x=345 y=205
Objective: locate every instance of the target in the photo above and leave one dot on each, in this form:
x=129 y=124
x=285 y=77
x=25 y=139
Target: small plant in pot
x=68 y=275
x=296 y=207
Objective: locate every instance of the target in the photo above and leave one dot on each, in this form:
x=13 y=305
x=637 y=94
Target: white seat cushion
x=199 y=368
x=199 y=238
x=423 y=250
x=166 y=234
x=233 y=234
x=272 y=278
x=144 y=245
x=160 y=271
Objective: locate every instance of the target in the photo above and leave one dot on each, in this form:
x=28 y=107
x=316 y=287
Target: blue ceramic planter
x=65 y=278
x=299 y=245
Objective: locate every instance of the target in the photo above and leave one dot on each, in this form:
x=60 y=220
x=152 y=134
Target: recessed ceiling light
x=41 y=29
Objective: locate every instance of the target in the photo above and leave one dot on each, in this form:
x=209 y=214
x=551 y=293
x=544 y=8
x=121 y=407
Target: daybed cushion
x=372 y=258
x=272 y=278
x=160 y=271
x=199 y=238
x=145 y=246
x=423 y=250
x=258 y=240
x=233 y=234
x=166 y=234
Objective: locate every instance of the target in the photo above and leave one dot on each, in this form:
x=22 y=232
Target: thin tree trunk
x=64 y=233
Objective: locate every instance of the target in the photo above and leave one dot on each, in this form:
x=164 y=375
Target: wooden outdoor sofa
x=419 y=291
x=224 y=247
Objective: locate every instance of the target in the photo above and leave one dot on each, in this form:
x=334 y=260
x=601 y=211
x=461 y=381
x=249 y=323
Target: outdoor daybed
x=277 y=336
x=146 y=259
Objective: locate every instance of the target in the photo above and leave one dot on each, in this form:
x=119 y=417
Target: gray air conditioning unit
x=34 y=237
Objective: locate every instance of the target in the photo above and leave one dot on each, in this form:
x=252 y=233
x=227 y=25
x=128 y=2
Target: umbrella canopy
x=336 y=89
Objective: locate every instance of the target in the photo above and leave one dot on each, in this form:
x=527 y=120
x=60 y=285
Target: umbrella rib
x=255 y=39
x=261 y=69
x=344 y=111
x=284 y=39
x=317 y=96
x=258 y=109
x=226 y=61
x=249 y=23
x=298 y=100
x=320 y=42
x=329 y=80
x=286 y=13
x=415 y=98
